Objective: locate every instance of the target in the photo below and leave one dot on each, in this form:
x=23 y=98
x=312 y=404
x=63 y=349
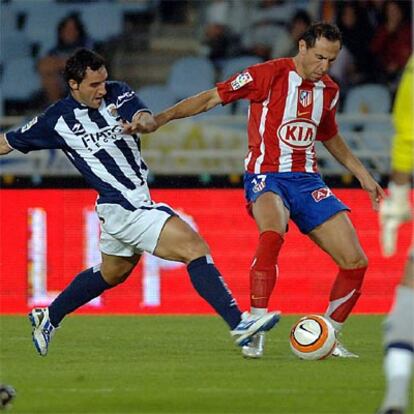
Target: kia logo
x=298 y=133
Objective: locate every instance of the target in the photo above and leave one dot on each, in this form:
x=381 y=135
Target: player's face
x=92 y=89
x=317 y=60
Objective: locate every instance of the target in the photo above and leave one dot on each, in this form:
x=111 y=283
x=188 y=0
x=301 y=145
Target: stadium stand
x=190 y=75
x=166 y=64
x=368 y=98
x=157 y=97
x=19 y=80
x=237 y=64
x=103 y=20
x=40 y=21
x=15 y=45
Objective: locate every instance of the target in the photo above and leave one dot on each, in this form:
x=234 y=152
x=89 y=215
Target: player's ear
x=73 y=84
x=302 y=46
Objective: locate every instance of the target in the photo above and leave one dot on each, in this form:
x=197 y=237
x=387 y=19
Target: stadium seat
x=103 y=21
x=374 y=140
x=190 y=75
x=235 y=65
x=15 y=45
x=8 y=20
x=20 y=79
x=1 y=103
x=42 y=19
x=142 y=6
x=368 y=99
x=156 y=97
x=352 y=138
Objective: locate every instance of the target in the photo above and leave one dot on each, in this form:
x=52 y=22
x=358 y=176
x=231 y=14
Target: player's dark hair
x=79 y=62
x=321 y=29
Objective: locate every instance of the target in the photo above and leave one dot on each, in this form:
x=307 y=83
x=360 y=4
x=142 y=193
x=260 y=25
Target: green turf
x=136 y=364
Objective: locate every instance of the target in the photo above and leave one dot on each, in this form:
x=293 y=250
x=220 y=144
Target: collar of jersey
x=76 y=104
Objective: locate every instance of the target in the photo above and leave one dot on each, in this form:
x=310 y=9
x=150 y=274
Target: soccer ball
x=7 y=393
x=312 y=337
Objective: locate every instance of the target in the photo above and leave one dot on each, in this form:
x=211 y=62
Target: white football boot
x=341 y=352
x=250 y=325
x=43 y=330
x=255 y=348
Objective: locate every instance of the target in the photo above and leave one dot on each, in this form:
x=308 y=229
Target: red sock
x=345 y=293
x=264 y=269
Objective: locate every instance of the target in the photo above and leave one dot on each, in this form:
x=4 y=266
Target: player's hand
x=375 y=191
x=142 y=123
x=392 y=215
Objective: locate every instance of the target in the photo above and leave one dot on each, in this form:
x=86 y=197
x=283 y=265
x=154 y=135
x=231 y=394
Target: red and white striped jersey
x=286 y=115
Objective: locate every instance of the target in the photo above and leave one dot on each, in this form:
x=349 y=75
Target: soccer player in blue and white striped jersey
x=97 y=127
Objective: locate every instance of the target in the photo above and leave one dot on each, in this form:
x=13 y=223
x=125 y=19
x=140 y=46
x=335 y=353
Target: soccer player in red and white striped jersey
x=293 y=103
x=287 y=113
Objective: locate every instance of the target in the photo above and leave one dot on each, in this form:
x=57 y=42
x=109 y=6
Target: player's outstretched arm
x=342 y=153
x=4 y=145
x=193 y=105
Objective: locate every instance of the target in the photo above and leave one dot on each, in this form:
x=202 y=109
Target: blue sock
x=86 y=286
x=209 y=284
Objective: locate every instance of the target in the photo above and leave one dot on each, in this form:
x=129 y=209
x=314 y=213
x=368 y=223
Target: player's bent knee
x=195 y=250
x=354 y=262
x=361 y=262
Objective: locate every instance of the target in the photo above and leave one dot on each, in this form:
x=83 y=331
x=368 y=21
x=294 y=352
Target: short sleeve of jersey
x=328 y=127
x=125 y=99
x=37 y=134
x=252 y=84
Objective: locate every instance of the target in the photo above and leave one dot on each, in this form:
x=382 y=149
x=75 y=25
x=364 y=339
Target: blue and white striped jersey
x=92 y=139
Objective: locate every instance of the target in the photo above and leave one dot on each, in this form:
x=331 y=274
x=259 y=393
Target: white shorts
x=125 y=233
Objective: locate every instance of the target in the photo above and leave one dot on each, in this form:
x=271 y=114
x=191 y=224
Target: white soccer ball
x=312 y=337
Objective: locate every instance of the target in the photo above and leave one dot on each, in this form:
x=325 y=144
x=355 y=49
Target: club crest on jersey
x=321 y=193
x=297 y=134
x=112 y=110
x=305 y=98
x=241 y=80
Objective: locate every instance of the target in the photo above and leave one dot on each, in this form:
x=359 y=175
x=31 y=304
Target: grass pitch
x=184 y=364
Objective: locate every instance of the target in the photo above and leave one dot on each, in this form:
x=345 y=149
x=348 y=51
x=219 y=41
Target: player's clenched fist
x=142 y=122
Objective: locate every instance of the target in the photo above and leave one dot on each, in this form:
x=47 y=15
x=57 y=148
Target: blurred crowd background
x=169 y=49
x=143 y=38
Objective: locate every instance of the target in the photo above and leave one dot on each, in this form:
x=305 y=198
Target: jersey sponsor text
x=94 y=141
x=298 y=133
